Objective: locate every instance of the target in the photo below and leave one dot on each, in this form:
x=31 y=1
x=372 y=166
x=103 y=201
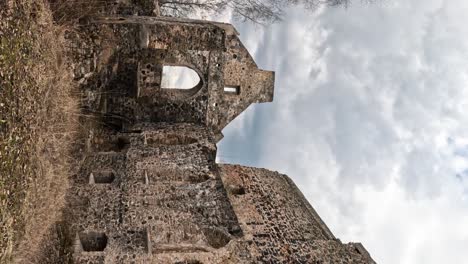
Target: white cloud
x=369 y=119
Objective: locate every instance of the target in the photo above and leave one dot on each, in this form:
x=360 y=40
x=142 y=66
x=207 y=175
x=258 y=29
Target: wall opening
x=122 y=144
x=193 y=178
x=93 y=241
x=179 y=77
x=236 y=189
x=189 y=261
x=229 y=89
x=115 y=144
x=102 y=177
x=216 y=238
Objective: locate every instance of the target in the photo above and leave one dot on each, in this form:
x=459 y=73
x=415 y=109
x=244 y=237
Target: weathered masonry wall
x=153 y=194
x=159 y=199
x=125 y=56
x=148 y=189
x=279 y=223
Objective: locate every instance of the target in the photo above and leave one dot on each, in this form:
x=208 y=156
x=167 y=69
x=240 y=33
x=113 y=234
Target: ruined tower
x=149 y=189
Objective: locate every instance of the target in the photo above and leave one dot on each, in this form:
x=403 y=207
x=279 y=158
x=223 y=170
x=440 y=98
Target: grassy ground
x=37 y=112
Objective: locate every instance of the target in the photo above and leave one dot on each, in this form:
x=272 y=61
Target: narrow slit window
x=179 y=77
x=232 y=89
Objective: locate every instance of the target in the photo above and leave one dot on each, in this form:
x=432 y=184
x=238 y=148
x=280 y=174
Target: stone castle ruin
x=148 y=189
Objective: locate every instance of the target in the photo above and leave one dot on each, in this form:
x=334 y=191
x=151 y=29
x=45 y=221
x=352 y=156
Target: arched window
x=179 y=77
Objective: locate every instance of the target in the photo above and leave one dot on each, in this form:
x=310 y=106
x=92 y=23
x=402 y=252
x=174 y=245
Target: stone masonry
x=148 y=189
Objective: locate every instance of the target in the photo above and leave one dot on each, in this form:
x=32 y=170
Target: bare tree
x=185 y=8
x=256 y=11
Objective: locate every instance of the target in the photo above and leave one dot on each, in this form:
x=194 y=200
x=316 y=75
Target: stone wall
x=158 y=200
x=119 y=64
x=279 y=223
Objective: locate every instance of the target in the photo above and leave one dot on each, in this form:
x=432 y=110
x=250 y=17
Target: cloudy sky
x=369 y=120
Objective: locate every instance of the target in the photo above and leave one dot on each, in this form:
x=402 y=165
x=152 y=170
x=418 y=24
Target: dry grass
x=37 y=125
x=68 y=12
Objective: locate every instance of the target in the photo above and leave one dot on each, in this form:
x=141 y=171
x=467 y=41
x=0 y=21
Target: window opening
x=237 y=190
x=122 y=143
x=102 y=177
x=232 y=89
x=179 y=77
x=93 y=241
x=216 y=238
